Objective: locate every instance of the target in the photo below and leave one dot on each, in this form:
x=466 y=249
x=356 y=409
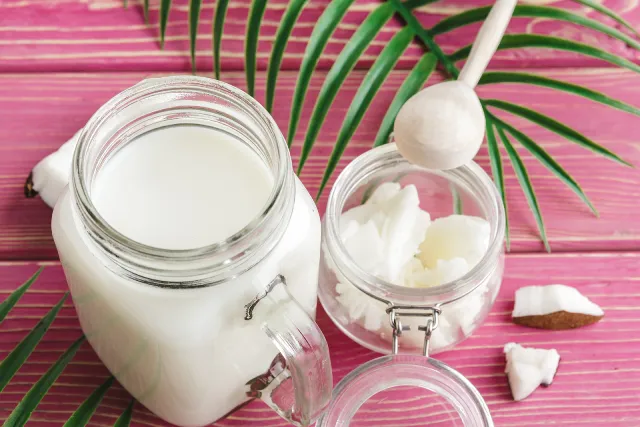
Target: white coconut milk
x=186 y=354
x=182 y=187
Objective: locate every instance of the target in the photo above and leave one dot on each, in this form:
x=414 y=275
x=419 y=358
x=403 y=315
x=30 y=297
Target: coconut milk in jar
x=192 y=251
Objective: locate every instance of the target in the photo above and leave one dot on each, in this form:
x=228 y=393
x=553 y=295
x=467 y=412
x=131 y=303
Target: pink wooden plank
x=604 y=356
x=42 y=111
x=99 y=35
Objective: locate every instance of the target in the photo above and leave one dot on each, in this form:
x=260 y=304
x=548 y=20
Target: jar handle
x=298 y=384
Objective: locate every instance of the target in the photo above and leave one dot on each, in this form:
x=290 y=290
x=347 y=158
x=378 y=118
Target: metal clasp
x=397 y=312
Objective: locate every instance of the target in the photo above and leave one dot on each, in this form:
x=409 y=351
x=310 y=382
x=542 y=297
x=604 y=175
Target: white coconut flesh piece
x=528 y=368
x=51 y=175
x=554 y=307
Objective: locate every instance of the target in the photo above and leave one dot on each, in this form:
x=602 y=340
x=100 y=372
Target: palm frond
x=125 y=418
x=534 y=79
x=145 y=8
x=555 y=126
x=21 y=352
x=525 y=183
x=341 y=68
x=497 y=171
x=515 y=41
x=457 y=200
x=31 y=400
x=532 y=11
x=194 y=20
x=546 y=159
x=410 y=86
x=610 y=13
x=320 y=35
x=371 y=187
x=283 y=33
x=365 y=94
x=12 y=299
x=85 y=411
x=165 y=8
x=251 y=44
x=425 y=37
x=218 y=26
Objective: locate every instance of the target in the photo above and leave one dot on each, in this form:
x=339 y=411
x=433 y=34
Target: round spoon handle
x=487 y=41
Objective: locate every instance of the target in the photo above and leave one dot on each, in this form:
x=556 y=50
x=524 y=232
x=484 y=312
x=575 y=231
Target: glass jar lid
x=453 y=400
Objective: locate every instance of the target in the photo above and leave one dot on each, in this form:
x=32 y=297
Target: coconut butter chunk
x=392 y=238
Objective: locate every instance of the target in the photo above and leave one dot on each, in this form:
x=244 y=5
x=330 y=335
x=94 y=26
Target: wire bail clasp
x=397 y=312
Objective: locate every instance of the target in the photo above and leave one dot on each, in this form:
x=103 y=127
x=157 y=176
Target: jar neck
x=183 y=100
x=386 y=159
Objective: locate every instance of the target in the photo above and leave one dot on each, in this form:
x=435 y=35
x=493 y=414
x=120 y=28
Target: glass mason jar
x=193 y=334
x=365 y=307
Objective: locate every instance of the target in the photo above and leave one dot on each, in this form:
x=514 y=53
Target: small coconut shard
x=528 y=368
x=554 y=307
x=29 y=192
x=51 y=175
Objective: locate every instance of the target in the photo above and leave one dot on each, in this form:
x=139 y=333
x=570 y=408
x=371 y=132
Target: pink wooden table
x=61 y=59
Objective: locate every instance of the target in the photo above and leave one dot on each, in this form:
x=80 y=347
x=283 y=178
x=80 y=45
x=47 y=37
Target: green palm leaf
x=251 y=45
x=83 y=414
x=19 y=355
x=218 y=26
x=546 y=160
x=555 y=126
x=30 y=401
x=283 y=33
x=497 y=171
x=125 y=419
x=145 y=8
x=425 y=37
x=532 y=11
x=525 y=183
x=524 y=78
x=12 y=299
x=411 y=85
x=515 y=41
x=371 y=187
x=322 y=31
x=457 y=200
x=194 y=19
x=608 y=12
x=367 y=90
x=165 y=8
x=345 y=62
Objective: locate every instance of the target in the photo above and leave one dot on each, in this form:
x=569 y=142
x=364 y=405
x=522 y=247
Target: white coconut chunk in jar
x=455 y=236
x=365 y=246
x=391 y=237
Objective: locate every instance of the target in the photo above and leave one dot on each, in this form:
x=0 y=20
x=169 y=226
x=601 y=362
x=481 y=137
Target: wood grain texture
x=41 y=111
x=597 y=382
x=100 y=35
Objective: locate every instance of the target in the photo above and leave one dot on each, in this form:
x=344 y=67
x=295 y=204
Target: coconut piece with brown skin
x=528 y=368
x=554 y=307
x=51 y=175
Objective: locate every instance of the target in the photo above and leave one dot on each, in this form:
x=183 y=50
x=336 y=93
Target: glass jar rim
x=357 y=173
x=141 y=260
x=365 y=381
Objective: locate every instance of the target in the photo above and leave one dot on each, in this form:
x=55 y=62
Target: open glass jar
x=388 y=318
x=364 y=306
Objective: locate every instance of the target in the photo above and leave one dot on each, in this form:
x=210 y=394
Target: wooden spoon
x=442 y=126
